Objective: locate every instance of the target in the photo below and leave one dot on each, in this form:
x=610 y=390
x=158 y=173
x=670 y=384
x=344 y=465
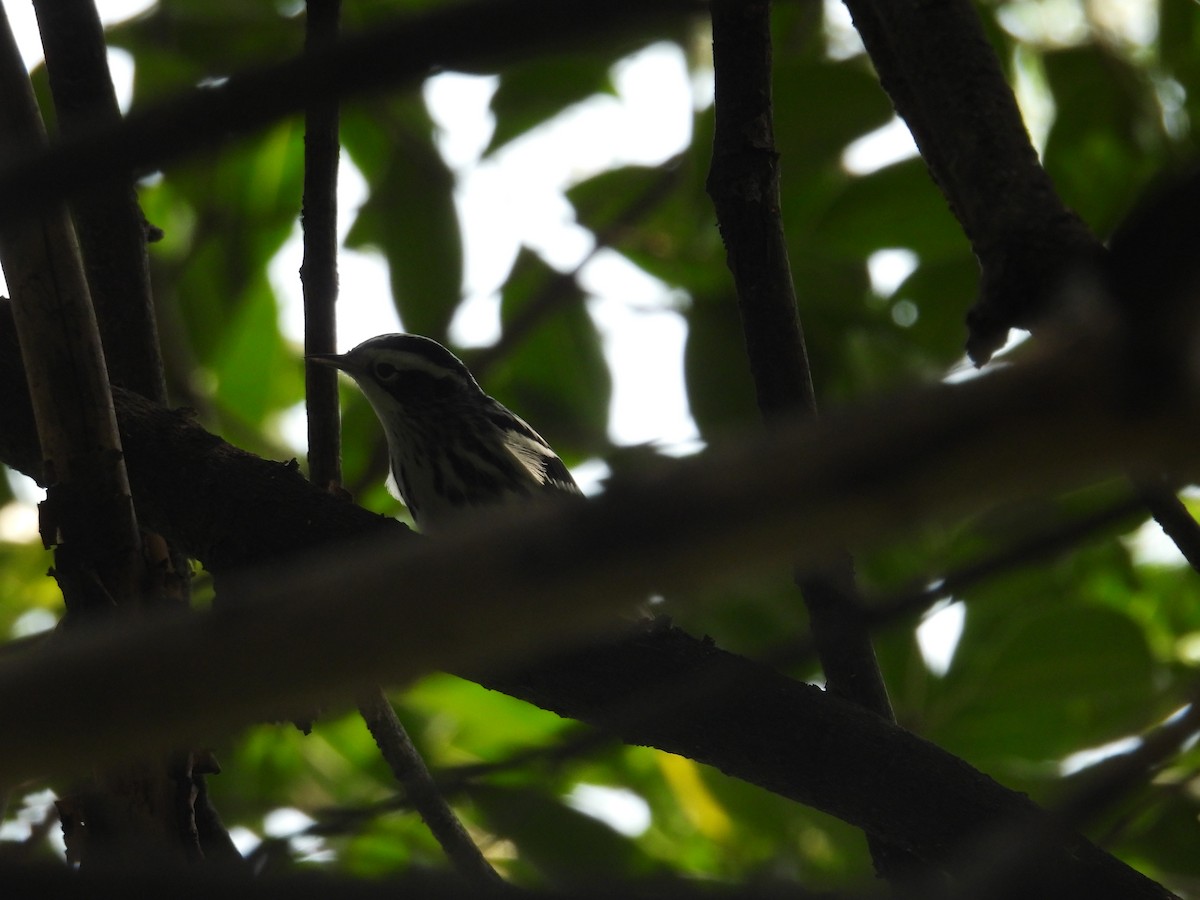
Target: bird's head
x=403 y=374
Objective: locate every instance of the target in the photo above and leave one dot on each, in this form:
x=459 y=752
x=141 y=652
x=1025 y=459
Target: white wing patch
x=531 y=454
x=393 y=486
x=536 y=457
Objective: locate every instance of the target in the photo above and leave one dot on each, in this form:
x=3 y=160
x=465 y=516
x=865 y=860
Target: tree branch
x=108 y=220
x=744 y=185
x=318 y=271
x=467 y=36
x=551 y=574
x=945 y=81
x=88 y=515
x=422 y=792
x=112 y=236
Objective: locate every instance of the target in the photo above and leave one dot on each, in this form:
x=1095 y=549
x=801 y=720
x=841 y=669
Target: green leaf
x=897 y=206
x=565 y=845
x=227 y=219
x=661 y=218
x=1158 y=833
x=177 y=44
x=820 y=107
x=720 y=390
x=1107 y=139
x=534 y=91
x=481 y=724
x=409 y=213
x=942 y=291
x=1040 y=685
x=256 y=372
x=25 y=583
x=556 y=378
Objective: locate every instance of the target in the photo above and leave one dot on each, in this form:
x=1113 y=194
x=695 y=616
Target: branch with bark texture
x=87 y=515
x=166 y=799
x=945 y=81
x=702 y=519
x=744 y=185
x=107 y=218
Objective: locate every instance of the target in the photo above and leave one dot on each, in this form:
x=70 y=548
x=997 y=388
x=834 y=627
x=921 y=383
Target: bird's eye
x=385 y=371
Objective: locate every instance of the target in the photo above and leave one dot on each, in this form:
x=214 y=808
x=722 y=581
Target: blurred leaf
x=1107 y=138
x=255 y=370
x=942 y=292
x=481 y=725
x=534 y=91
x=241 y=208
x=1179 y=45
x=675 y=239
x=178 y=43
x=648 y=215
x=25 y=584
x=788 y=842
x=797 y=32
x=696 y=801
x=1045 y=684
x=556 y=378
x=844 y=97
x=1160 y=833
x=409 y=213
x=385 y=848
x=568 y=847
x=720 y=390
x=897 y=206
x=364 y=453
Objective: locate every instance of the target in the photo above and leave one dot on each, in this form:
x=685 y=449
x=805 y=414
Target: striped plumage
x=450 y=445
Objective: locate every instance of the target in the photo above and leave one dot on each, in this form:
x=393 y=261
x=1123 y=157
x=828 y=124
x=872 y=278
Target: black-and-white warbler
x=450 y=445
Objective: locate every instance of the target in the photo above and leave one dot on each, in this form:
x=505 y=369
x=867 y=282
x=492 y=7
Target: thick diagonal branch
x=702 y=520
x=943 y=76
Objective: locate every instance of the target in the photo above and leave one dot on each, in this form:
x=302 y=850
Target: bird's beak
x=333 y=360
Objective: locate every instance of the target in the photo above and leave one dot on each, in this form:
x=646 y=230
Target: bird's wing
x=536 y=456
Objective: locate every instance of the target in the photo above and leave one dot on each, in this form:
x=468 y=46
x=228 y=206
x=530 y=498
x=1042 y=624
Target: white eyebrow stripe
x=416 y=362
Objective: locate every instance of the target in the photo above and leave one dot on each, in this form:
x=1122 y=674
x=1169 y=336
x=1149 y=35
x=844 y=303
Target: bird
x=451 y=447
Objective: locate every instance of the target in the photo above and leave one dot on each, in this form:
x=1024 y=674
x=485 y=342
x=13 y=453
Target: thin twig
x=319 y=276
x=925 y=593
x=744 y=185
x=410 y=770
x=452 y=780
x=318 y=271
x=1176 y=522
